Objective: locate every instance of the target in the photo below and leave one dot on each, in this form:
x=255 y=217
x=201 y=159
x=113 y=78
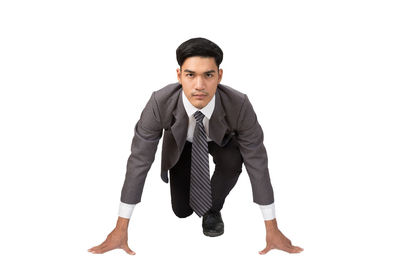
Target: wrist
x=271 y=225
x=122 y=224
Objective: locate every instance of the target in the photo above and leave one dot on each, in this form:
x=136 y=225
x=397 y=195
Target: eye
x=189 y=74
x=209 y=75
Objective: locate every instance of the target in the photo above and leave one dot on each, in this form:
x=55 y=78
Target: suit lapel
x=217 y=124
x=179 y=127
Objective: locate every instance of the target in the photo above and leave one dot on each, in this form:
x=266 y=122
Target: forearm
x=148 y=131
x=250 y=138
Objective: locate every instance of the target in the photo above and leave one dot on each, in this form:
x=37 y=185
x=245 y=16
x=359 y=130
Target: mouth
x=199 y=96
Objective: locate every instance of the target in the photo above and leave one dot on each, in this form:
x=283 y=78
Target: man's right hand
x=118 y=238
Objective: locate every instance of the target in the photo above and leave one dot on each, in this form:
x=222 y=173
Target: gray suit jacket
x=233 y=117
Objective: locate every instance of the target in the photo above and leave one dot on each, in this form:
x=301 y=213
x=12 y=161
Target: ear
x=220 y=72
x=178 y=75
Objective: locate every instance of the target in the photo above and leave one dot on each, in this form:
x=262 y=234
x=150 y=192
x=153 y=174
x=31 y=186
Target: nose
x=200 y=85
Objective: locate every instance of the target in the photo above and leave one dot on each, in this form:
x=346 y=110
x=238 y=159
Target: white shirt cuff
x=268 y=211
x=125 y=210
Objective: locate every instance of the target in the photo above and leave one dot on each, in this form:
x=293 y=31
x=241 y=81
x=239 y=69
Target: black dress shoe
x=213 y=224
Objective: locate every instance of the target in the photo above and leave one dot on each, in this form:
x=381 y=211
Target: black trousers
x=228 y=166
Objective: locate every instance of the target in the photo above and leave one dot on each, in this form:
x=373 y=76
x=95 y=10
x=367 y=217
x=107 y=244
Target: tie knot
x=198 y=116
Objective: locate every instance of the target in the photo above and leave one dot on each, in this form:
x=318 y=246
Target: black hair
x=199 y=47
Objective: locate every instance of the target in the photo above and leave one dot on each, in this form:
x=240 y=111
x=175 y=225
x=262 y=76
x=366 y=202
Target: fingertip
x=130 y=252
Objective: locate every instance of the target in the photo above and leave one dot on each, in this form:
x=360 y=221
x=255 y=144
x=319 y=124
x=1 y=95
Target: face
x=199 y=77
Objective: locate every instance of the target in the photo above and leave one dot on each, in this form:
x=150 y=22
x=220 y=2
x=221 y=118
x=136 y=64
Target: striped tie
x=200 y=187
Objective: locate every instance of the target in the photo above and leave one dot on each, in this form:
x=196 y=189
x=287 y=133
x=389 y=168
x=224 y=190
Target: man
x=198 y=116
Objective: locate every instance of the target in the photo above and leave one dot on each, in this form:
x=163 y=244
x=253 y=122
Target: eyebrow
x=190 y=71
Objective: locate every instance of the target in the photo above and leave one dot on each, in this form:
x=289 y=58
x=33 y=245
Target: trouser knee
x=182 y=213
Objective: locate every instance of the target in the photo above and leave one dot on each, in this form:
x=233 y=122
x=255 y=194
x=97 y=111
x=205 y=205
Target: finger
x=104 y=249
x=297 y=249
x=265 y=250
x=127 y=249
x=286 y=248
x=100 y=247
x=293 y=249
x=96 y=247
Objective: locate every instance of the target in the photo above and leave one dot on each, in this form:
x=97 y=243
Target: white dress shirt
x=268 y=211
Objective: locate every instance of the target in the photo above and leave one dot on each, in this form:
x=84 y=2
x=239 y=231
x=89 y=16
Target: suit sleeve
x=148 y=131
x=250 y=138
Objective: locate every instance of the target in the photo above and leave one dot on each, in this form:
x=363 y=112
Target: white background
x=323 y=78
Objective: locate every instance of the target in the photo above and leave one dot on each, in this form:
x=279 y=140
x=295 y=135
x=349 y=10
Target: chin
x=199 y=103
x=199 y=106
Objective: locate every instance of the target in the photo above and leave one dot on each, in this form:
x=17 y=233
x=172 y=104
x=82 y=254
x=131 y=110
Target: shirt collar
x=190 y=109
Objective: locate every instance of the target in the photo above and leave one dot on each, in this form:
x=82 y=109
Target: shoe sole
x=212 y=234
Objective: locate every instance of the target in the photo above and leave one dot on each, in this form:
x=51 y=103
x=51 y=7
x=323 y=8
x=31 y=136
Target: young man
x=198 y=116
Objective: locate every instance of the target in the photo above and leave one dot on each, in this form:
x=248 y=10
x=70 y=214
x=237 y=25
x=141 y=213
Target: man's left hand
x=276 y=240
